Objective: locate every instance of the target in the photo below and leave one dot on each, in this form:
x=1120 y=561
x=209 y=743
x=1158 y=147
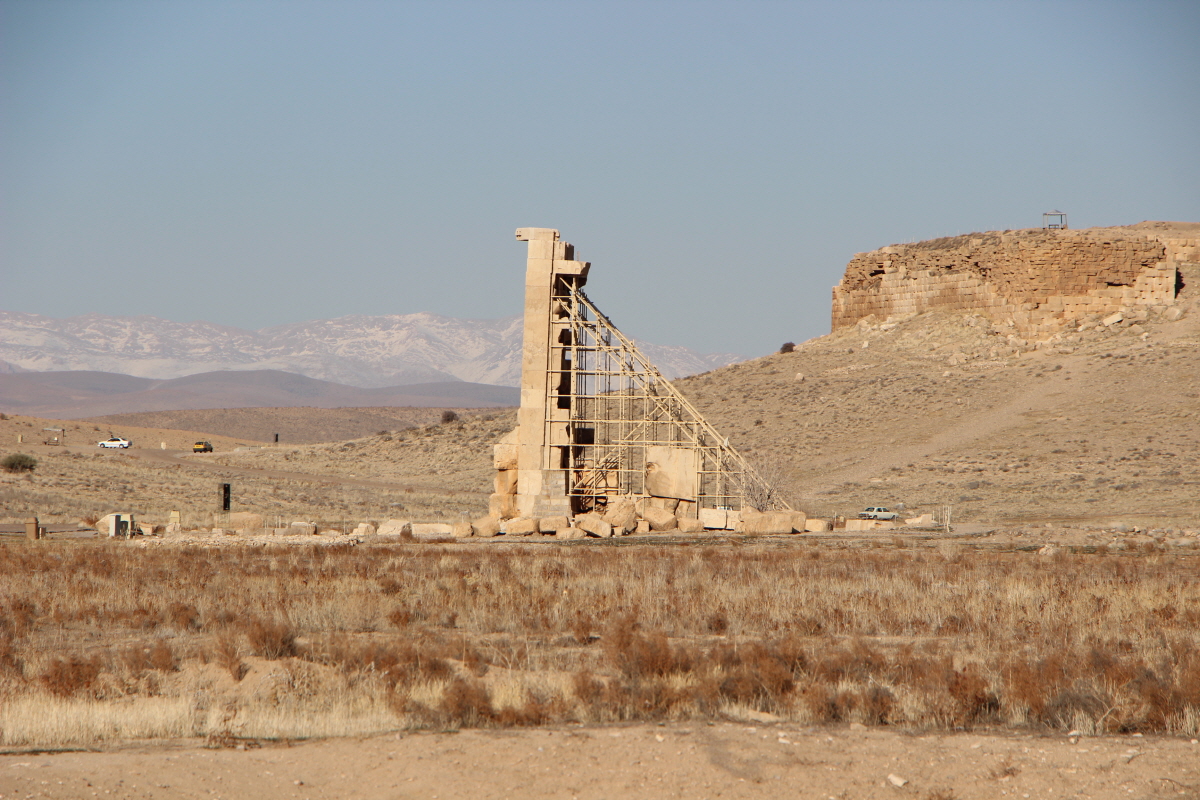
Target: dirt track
x=688 y=761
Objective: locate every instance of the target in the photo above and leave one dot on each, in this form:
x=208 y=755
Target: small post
x=32 y=531
x=277 y=438
x=226 y=495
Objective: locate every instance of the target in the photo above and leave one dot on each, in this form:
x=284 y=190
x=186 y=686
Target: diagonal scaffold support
x=598 y=420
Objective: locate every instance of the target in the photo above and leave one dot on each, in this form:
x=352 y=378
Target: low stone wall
x=1039 y=279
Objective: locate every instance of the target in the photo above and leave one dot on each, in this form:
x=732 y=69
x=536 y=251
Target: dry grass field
x=102 y=642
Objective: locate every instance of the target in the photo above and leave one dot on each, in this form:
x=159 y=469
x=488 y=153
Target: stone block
x=595 y=525
x=714 y=518
x=393 y=527
x=462 y=530
x=686 y=508
x=502 y=506
x=505 y=481
x=813 y=525
x=622 y=518
x=553 y=524
x=302 y=529
x=1112 y=319
x=364 y=529
x=519 y=526
x=690 y=525
x=642 y=526
x=570 y=533
x=485 y=527
x=659 y=518
x=432 y=529
x=773 y=522
x=920 y=521
x=672 y=472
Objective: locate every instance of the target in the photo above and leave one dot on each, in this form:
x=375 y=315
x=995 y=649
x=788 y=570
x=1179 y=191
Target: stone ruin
x=604 y=444
x=1036 y=281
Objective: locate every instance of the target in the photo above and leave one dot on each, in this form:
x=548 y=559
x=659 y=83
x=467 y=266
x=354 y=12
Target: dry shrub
x=467 y=703
x=66 y=677
x=877 y=704
x=229 y=656
x=182 y=616
x=159 y=656
x=10 y=662
x=973 y=701
x=271 y=639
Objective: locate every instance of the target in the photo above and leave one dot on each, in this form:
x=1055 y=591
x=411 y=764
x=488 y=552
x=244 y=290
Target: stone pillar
x=543 y=429
x=32 y=531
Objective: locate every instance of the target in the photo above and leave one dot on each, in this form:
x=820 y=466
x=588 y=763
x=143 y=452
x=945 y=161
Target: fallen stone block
x=623 y=519
x=1112 y=319
x=364 y=529
x=570 y=533
x=302 y=529
x=485 y=527
x=773 y=522
x=462 y=530
x=690 y=525
x=659 y=518
x=553 y=524
x=813 y=525
x=431 y=529
x=642 y=526
x=393 y=527
x=519 y=526
x=921 y=521
x=595 y=525
x=714 y=518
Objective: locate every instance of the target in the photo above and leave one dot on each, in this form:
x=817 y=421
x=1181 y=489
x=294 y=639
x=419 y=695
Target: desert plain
x=1044 y=643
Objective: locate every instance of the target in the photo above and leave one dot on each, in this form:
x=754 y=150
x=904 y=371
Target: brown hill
x=1099 y=424
x=79 y=394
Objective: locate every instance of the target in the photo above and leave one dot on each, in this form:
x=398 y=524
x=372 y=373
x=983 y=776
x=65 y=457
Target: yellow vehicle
x=202 y=447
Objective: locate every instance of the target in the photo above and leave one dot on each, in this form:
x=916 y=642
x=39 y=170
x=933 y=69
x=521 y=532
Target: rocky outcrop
x=1037 y=280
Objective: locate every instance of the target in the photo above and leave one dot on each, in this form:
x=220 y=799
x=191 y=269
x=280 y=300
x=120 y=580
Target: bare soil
x=724 y=759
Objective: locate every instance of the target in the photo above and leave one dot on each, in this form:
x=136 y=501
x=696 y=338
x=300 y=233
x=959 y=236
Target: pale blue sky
x=253 y=163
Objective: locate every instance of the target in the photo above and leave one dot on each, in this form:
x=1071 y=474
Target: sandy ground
x=687 y=761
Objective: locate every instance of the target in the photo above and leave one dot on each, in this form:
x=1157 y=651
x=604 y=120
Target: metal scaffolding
x=612 y=419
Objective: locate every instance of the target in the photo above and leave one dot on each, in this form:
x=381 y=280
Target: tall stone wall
x=1040 y=280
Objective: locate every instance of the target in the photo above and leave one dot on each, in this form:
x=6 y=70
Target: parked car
x=202 y=447
x=878 y=512
x=115 y=441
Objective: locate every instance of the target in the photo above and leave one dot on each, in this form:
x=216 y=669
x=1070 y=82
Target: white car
x=115 y=441
x=878 y=512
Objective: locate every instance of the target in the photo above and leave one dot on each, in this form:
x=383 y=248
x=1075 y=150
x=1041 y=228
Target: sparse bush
x=19 y=462
x=271 y=640
x=449 y=416
x=69 y=676
x=788 y=347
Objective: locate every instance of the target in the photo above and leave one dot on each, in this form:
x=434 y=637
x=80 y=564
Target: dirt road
x=688 y=761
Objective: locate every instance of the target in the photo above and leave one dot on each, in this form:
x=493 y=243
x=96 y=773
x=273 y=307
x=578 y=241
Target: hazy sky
x=253 y=163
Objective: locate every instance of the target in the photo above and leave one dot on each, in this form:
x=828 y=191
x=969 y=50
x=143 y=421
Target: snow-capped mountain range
x=357 y=350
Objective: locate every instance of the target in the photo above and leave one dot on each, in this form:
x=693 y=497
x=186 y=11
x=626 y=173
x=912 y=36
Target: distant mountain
x=362 y=351
x=79 y=394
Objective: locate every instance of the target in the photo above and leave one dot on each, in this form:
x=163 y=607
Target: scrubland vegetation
x=103 y=641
